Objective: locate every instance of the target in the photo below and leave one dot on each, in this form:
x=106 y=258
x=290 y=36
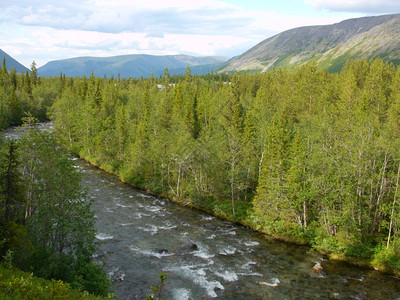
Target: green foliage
x=16 y=284
x=8 y=259
x=18 y=243
x=91 y=277
x=388 y=259
x=46 y=223
x=23 y=93
x=11 y=189
x=66 y=224
x=337 y=64
x=323 y=242
x=296 y=152
x=157 y=289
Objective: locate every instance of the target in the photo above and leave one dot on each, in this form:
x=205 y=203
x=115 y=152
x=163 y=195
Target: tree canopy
x=299 y=152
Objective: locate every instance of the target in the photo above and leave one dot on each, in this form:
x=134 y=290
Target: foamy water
x=104 y=236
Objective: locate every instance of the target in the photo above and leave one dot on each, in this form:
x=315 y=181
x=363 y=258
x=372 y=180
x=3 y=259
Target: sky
x=45 y=30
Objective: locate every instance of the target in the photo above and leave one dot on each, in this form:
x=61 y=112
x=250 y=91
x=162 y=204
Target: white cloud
x=123 y=15
x=363 y=6
x=46 y=44
x=62 y=29
x=46 y=30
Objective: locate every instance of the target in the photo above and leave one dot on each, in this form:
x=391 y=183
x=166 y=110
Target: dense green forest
x=297 y=153
x=46 y=223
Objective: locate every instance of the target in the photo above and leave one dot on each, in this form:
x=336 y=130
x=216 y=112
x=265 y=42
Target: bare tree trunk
x=179 y=180
x=394 y=205
x=304 y=214
x=87 y=135
x=261 y=161
x=162 y=175
x=233 y=186
x=381 y=190
x=304 y=204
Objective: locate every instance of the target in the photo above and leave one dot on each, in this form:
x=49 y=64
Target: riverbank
x=370 y=263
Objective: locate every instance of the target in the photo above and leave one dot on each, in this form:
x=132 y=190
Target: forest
x=46 y=222
x=298 y=153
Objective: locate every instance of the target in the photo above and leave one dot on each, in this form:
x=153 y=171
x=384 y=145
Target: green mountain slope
x=11 y=63
x=329 y=45
x=134 y=65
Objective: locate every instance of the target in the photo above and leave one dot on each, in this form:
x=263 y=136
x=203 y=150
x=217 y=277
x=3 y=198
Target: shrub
x=16 y=284
x=387 y=258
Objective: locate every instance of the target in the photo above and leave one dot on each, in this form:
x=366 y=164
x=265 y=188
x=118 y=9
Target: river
x=231 y=262
x=140 y=236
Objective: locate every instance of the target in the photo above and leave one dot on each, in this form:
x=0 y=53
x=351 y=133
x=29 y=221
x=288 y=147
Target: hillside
x=134 y=65
x=329 y=45
x=11 y=63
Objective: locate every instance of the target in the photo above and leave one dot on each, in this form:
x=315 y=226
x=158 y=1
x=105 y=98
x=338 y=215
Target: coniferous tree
x=34 y=74
x=232 y=124
x=322 y=147
x=249 y=153
x=298 y=187
x=11 y=188
x=270 y=201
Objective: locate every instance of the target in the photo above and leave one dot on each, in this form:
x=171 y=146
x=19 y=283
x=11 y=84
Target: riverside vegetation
x=46 y=224
x=298 y=153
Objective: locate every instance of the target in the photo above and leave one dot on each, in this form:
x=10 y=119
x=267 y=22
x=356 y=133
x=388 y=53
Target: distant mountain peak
x=11 y=63
x=329 y=45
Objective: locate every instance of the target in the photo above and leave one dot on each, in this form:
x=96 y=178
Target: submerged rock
x=187 y=248
x=161 y=250
x=361 y=296
x=209 y=226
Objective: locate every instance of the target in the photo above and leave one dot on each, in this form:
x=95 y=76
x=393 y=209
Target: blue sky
x=44 y=30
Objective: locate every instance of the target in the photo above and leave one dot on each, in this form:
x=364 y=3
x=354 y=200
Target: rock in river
x=186 y=248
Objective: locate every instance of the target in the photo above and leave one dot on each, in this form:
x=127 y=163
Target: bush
x=323 y=242
x=91 y=277
x=387 y=258
x=16 y=240
x=81 y=272
x=16 y=284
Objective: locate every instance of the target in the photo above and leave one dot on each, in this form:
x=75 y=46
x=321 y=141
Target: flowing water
x=140 y=236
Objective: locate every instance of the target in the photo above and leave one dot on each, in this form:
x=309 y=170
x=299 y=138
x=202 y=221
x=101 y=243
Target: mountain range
x=134 y=65
x=329 y=45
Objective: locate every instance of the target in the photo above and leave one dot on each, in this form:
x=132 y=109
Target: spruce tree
x=11 y=186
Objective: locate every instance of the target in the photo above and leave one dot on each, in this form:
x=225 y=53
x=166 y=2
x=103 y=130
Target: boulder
x=209 y=226
x=317 y=269
x=187 y=248
x=161 y=250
